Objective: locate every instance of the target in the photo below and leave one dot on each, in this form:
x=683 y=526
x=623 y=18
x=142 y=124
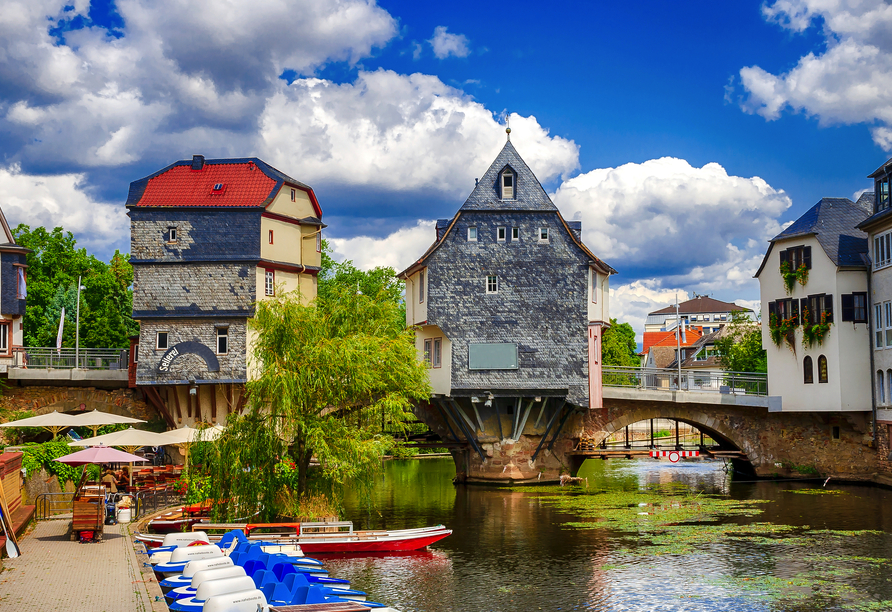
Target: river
x=638 y=536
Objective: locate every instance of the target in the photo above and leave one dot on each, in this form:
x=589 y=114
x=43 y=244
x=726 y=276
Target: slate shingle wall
x=191 y=367
x=193 y=289
x=9 y=303
x=541 y=304
x=202 y=235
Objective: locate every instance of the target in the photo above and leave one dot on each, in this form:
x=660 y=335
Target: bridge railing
x=65 y=358
x=706 y=381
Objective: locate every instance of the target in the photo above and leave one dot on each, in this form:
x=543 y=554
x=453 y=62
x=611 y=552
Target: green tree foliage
x=53 y=269
x=618 y=345
x=740 y=346
x=380 y=282
x=329 y=374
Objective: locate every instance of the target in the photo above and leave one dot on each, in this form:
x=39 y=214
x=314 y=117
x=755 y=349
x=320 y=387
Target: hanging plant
x=792 y=276
x=783 y=329
x=816 y=332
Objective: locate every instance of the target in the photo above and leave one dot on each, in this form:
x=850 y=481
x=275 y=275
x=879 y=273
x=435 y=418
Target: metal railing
x=53 y=506
x=65 y=358
x=153 y=500
x=707 y=381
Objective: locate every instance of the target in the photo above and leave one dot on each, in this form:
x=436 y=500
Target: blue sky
x=683 y=135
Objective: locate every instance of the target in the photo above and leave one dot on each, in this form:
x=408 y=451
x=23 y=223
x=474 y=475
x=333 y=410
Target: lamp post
x=77 y=326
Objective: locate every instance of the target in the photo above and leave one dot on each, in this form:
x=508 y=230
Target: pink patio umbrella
x=99 y=455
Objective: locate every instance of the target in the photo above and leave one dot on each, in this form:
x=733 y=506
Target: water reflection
x=513 y=550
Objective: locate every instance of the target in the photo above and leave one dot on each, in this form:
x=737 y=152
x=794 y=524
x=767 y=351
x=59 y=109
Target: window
x=427 y=351
x=4 y=337
x=507 y=185
x=878 y=326
x=222 y=340
x=437 y=353
x=161 y=341
x=854 y=307
x=319 y=241
x=492 y=284
x=515 y=233
x=881 y=392
x=882 y=250
x=543 y=234
x=219 y=188
x=472 y=234
x=783 y=310
x=421 y=287
x=270 y=284
x=882 y=193
x=594 y=287
x=21 y=285
x=887 y=312
x=271 y=236
x=294 y=195
x=171 y=234
x=796 y=256
x=822 y=369
x=136 y=353
x=501 y=234
x=808 y=371
x=888 y=381
x=819 y=308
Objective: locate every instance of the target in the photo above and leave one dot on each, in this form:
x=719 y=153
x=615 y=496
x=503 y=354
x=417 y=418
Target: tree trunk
x=303 y=461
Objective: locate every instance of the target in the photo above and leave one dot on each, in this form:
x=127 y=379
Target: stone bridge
x=505 y=441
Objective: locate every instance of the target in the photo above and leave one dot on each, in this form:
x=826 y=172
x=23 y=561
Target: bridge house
x=508 y=304
x=813 y=283
x=209 y=238
x=13 y=294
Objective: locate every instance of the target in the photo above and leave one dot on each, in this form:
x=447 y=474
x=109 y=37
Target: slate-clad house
x=208 y=239
x=824 y=257
x=509 y=305
x=13 y=293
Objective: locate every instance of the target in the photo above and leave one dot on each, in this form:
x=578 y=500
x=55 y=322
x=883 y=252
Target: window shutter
x=794 y=310
x=772 y=309
x=806 y=257
x=848 y=306
x=784 y=256
x=828 y=307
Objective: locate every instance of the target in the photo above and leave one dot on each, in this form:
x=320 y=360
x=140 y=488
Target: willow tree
x=326 y=376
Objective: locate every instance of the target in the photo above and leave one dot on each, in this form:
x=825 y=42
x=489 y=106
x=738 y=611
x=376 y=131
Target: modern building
x=813 y=282
x=703 y=312
x=13 y=295
x=210 y=238
x=509 y=305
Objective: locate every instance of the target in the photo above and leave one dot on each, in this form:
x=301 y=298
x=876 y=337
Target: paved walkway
x=54 y=573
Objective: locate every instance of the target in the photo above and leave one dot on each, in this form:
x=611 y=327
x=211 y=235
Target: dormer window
x=219 y=189
x=883 y=193
x=507 y=184
x=170 y=235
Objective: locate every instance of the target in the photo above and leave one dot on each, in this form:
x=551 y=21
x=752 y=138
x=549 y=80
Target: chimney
x=197 y=162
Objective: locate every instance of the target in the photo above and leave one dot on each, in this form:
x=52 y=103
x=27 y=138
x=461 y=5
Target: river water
x=637 y=536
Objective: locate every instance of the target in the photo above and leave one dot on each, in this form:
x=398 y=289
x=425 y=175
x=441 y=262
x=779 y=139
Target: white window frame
x=294 y=195
x=878 y=326
x=319 y=241
x=427 y=344
x=543 y=234
x=508 y=192
x=136 y=353
x=436 y=360
x=501 y=234
x=472 y=233
x=492 y=284
x=158 y=346
x=594 y=286
x=421 y=287
x=882 y=250
x=223 y=333
x=515 y=233
x=5 y=330
x=270 y=236
x=269 y=283
x=171 y=235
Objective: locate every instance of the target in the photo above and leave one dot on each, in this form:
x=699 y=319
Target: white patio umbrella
x=95 y=419
x=129 y=439
x=54 y=422
x=183 y=437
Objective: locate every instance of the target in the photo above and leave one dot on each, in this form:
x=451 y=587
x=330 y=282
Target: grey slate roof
x=834 y=222
x=529 y=194
x=701 y=304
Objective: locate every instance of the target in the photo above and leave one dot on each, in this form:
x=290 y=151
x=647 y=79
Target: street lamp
x=77 y=326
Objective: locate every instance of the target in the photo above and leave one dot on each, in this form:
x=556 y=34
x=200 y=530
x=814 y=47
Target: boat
x=180 y=519
x=332 y=537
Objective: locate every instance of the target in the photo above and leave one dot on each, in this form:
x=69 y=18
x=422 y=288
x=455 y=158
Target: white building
x=824 y=258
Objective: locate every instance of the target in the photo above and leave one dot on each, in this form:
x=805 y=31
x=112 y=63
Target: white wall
x=416 y=311
x=598 y=311
x=440 y=378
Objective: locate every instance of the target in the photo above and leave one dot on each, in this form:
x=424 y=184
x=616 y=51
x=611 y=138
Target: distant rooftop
x=699 y=305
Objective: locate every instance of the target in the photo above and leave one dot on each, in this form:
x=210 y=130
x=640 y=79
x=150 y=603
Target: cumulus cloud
x=398 y=250
x=398 y=133
x=701 y=224
x=446 y=44
x=847 y=83
x=60 y=200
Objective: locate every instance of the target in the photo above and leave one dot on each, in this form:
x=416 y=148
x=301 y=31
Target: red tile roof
x=667 y=338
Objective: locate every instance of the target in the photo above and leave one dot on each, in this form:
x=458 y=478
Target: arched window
x=808 y=371
x=822 y=369
x=507 y=184
x=881 y=391
x=889 y=381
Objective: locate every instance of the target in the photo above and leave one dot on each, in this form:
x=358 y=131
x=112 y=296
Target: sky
x=684 y=135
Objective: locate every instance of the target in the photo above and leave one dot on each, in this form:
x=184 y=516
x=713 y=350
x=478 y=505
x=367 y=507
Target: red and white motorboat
x=320 y=538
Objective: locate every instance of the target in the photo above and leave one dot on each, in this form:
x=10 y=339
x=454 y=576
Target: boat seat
x=260 y=577
x=283 y=569
x=236 y=557
x=269 y=590
x=253 y=566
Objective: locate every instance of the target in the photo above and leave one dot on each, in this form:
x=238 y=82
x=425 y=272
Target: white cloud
x=60 y=200
x=398 y=250
x=848 y=82
x=398 y=133
x=698 y=223
x=446 y=44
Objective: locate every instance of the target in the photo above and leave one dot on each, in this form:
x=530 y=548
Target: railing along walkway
x=707 y=381
x=67 y=358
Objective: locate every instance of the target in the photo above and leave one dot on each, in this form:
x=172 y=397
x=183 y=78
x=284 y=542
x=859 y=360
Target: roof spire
x=508 y=126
